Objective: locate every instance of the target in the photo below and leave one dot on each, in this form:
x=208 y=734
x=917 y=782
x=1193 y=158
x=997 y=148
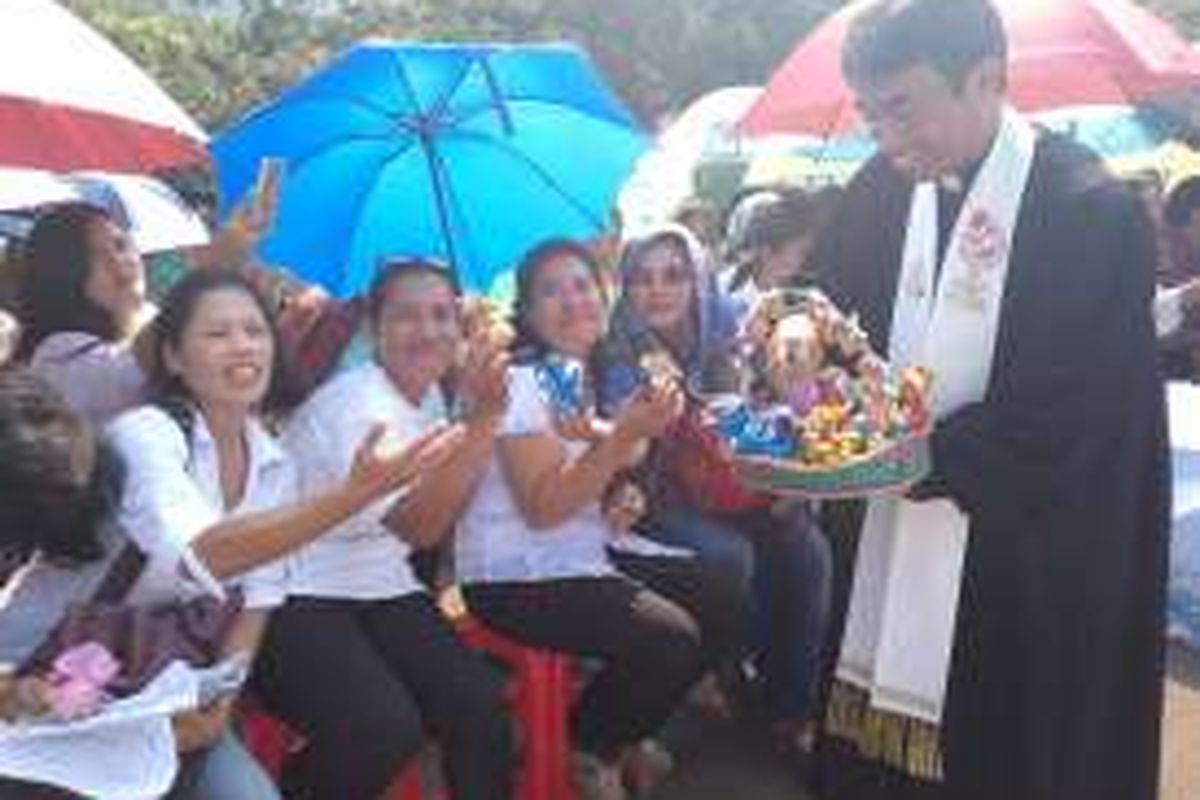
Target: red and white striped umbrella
x=69 y=99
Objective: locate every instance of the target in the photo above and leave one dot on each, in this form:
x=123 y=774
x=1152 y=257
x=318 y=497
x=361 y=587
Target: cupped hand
x=484 y=378
x=649 y=411
x=580 y=427
x=380 y=466
x=23 y=698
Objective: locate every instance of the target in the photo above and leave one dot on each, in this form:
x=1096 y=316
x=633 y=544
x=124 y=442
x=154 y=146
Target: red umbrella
x=1061 y=52
x=71 y=100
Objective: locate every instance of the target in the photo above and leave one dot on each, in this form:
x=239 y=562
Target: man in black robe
x=1054 y=687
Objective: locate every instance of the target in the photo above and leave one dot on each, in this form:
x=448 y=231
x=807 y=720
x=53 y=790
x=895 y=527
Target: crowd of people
x=311 y=499
x=331 y=466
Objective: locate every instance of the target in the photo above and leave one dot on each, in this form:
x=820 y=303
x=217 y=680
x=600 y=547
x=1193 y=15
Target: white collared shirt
x=360 y=558
x=1169 y=311
x=172 y=494
x=98 y=378
x=494 y=541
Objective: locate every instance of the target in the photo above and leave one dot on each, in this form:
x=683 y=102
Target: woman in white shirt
x=360 y=660
x=211 y=498
x=533 y=546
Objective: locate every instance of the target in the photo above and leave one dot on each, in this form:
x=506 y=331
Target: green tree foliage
x=1184 y=14
x=220 y=57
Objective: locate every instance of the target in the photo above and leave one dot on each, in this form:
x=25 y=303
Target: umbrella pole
x=441 y=195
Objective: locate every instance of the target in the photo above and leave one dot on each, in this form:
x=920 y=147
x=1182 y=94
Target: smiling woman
x=360 y=659
x=533 y=549
x=210 y=496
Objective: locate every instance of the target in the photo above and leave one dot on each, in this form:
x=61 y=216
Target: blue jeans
x=785 y=562
x=225 y=770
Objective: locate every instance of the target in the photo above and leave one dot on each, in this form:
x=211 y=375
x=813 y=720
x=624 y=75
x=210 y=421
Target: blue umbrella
x=468 y=153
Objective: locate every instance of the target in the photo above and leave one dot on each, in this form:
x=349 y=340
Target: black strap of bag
x=124 y=571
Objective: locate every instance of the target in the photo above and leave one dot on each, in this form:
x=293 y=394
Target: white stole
x=904 y=600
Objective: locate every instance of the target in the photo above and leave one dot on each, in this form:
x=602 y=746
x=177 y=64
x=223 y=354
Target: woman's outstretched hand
x=380 y=467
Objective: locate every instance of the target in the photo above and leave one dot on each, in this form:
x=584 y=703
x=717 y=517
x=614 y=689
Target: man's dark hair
x=796 y=213
x=1183 y=202
x=950 y=36
x=46 y=507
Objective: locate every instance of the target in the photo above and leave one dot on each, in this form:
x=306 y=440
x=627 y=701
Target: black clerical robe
x=1055 y=684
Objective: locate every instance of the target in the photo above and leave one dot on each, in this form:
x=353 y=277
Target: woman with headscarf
x=672 y=304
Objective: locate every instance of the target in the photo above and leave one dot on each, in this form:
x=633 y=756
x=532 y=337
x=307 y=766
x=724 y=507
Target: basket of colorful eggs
x=828 y=417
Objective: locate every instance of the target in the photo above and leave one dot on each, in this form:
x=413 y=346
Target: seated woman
x=360 y=660
x=82 y=294
x=671 y=304
x=210 y=496
x=532 y=547
x=58 y=492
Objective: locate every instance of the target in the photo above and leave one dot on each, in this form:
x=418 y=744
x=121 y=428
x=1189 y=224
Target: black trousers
x=365 y=681
x=657 y=627
x=11 y=789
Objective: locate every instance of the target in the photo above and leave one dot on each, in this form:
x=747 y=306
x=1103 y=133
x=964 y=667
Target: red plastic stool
x=539 y=698
x=270 y=740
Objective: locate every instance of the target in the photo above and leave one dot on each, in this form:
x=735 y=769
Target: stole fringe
x=905 y=744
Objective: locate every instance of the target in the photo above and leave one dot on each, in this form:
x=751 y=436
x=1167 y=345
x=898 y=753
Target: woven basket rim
x=794 y=466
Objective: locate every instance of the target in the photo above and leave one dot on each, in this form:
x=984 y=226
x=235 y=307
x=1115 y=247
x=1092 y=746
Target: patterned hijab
x=714 y=316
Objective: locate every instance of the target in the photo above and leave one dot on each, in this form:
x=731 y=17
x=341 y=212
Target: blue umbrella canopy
x=470 y=153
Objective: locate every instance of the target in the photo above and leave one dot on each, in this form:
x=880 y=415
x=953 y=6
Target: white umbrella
x=665 y=176
x=22 y=188
x=156 y=216
x=69 y=99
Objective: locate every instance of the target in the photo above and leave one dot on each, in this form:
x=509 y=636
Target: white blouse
x=495 y=543
x=172 y=493
x=98 y=378
x=360 y=558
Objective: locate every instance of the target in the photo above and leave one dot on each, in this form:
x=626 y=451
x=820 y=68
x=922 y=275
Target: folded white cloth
x=124 y=752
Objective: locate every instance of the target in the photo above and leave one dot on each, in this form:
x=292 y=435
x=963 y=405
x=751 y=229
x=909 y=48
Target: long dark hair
x=55 y=266
x=168 y=390
x=528 y=345
x=46 y=507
